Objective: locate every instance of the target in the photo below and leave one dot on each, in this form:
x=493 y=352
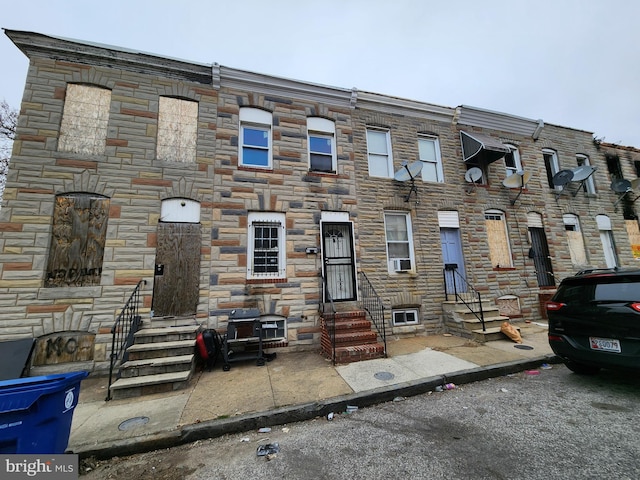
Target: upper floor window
x=399 y=239
x=512 y=160
x=177 y=130
x=322 y=145
x=498 y=239
x=589 y=185
x=379 y=153
x=255 y=138
x=78 y=237
x=84 y=120
x=552 y=165
x=266 y=245
x=429 y=155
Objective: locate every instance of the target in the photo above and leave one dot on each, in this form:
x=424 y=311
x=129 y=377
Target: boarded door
x=177 y=270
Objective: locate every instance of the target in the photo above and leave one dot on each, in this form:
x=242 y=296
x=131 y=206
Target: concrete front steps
x=161 y=359
x=461 y=321
x=355 y=340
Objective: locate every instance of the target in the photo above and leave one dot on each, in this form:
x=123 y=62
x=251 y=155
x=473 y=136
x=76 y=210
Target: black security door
x=539 y=252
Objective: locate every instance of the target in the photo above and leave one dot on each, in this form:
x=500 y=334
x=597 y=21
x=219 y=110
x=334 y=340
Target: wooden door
x=177 y=270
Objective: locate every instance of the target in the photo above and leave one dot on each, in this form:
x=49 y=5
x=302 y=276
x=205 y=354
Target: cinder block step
x=144 y=351
x=166 y=334
x=490 y=334
x=148 y=384
x=154 y=366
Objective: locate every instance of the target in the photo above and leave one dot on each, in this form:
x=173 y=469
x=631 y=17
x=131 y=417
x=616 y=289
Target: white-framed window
x=498 y=239
x=575 y=240
x=266 y=252
x=589 y=185
x=404 y=317
x=379 y=153
x=399 y=240
x=255 y=138
x=177 y=130
x=512 y=162
x=85 y=120
x=321 y=136
x=429 y=155
x=552 y=166
x=274 y=327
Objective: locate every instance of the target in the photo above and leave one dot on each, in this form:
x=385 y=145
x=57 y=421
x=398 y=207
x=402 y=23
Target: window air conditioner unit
x=401 y=265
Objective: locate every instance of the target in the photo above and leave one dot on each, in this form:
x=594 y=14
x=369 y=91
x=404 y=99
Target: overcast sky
x=574 y=63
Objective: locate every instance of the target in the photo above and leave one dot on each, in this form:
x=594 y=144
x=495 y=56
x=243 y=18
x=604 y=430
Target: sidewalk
x=293 y=387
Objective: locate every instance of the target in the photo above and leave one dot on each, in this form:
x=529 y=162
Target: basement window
x=404 y=317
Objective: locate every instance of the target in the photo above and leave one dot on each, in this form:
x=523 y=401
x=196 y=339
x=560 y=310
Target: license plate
x=605 y=344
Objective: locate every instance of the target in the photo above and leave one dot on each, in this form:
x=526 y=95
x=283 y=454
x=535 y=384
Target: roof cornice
x=402 y=106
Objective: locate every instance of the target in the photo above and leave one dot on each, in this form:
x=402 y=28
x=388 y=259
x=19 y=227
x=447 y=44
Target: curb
x=301 y=412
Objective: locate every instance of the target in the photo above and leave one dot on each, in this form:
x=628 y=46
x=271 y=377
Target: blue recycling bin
x=36 y=413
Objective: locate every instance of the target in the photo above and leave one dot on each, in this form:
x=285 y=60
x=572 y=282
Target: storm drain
x=524 y=347
x=383 y=376
x=132 y=423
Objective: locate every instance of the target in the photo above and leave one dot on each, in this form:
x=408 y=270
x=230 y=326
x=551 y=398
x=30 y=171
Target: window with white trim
x=589 y=185
x=379 y=153
x=85 y=119
x=552 y=165
x=177 y=130
x=498 y=239
x=266 y=252
x=404 y=317
x=399 y=240
x=321 y=135
x=608 y=243
x=429 y=155
x=255 y=138
x=512 y=162
x=274 y=327
x=575 y=240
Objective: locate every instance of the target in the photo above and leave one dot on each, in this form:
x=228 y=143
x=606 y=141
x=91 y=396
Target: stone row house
x=232 y=191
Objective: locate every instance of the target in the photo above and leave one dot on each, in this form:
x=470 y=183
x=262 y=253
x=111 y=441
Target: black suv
x=594 y=320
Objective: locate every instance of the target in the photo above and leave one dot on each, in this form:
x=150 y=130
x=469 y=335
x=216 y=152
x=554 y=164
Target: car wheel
x=582 y=369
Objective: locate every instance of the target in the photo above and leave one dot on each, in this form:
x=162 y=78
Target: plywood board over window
x=634 y=237
x=77 y=240
x=85 y=119
x=499 y=250
x=177 y=130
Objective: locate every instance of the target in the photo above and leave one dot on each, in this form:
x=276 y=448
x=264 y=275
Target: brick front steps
x=354 y=338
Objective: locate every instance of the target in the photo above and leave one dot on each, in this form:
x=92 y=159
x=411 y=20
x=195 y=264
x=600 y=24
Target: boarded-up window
x=85 y=119
x=499 y=250
x=634 y=237
x=575 y=239
x=177 y=130
x=77 y=240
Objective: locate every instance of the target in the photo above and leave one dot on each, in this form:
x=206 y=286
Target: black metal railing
x=329 y=322
x=463 y=292
x=372 y=305
x=123 y=330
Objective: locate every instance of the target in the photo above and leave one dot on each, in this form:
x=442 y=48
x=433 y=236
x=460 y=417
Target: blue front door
x=452 y=259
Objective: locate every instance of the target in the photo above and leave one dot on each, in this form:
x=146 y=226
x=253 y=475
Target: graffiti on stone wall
x=77 y=240
x=63 y=347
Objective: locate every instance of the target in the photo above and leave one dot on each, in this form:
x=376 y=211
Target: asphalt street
x=537 y=424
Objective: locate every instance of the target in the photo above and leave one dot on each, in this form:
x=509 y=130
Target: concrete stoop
x=462 y=321
x=161 y=359
x=354 y=338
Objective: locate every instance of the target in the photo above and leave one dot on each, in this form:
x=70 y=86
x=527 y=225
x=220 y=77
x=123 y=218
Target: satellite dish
x=582 y=173
x=408 y=172
x=562 y=178
x=517 y=180
x=473 y=175
x=621 y=185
